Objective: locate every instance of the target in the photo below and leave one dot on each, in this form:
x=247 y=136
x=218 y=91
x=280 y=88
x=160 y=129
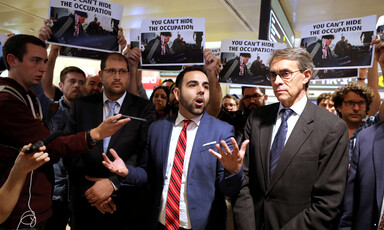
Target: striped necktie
x=173 y=198
x=381 y=223
x=279 y=141
x=112 y=106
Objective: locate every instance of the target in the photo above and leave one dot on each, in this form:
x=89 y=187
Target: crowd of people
x=95 y=153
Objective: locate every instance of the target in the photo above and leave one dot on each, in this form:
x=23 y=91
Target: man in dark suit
x=236 y=69
x=204 y=179
x=97 y=199
x=363 y=201
x=296 y=162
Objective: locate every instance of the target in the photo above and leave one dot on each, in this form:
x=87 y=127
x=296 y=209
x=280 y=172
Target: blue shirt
x=365 y=124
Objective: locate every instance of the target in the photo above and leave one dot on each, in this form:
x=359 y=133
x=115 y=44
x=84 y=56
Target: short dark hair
x=167 y=80
x=245 y=55
x=168 y=34
x=70 y=69
x=324 y=96
x=247 y=87
x=17 y=46
x=81 y=13
x=112 y=56
x=180 y=77
x=360 y=89
x=330 y=36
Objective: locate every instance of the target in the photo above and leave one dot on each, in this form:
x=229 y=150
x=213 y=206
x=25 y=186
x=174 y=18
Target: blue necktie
x=112 y=105
x=278 y=142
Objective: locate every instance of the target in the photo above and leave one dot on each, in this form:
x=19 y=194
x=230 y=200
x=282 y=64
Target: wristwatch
x=91 y=142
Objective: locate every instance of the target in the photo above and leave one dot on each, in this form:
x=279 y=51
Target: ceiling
x=221 y=21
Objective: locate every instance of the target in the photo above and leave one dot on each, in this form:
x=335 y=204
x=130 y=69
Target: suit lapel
x=264 y=144
x=378 y=160
x=166 y=140
x=299 y=135
x=98 y=110
x=200 y=139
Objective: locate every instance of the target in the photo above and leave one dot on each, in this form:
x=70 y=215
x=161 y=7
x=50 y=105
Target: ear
x=101 y=73
x=338 y=108
x=266 y=97
x=176 y=92
x=61 y=85
x=11 y=59
x=307 y=75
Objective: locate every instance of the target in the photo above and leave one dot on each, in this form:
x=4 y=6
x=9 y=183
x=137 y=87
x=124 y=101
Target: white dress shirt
x=117 y=107
x=106 y=112
x=298 y=109
x=185 y=221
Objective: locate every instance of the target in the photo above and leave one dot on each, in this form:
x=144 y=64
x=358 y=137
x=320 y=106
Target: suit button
x=267 y=199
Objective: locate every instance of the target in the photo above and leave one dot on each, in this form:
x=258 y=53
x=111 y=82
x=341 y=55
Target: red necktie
x=173 y=198
x=381 y=223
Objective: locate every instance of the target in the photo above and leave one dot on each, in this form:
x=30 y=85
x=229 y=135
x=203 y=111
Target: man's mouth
x=199 y=102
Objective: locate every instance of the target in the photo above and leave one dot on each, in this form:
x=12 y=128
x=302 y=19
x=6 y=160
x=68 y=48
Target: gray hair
x=300 y=55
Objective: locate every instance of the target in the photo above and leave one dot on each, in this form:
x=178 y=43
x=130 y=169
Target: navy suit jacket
x=207 y=181
x=365 y=187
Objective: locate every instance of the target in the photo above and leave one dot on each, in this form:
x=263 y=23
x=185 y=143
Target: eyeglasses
x=114 y=71
x=285 y=75
x=255 y=96
x=352 y=104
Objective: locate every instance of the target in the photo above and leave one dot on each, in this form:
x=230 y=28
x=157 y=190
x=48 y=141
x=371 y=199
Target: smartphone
x=133 y=118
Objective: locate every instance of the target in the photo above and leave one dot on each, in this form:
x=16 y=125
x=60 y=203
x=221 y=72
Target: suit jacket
x=129 y=143
x=308 y=184
x=207 y=181
x=364 y=193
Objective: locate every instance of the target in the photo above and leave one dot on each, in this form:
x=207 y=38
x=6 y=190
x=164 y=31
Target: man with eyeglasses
x=363 y=205
x=56 y=115
x=352 y=103
x=296 y=161
x=253 y=97
x=97 y=199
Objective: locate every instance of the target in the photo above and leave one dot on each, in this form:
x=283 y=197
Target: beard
x=191 y=107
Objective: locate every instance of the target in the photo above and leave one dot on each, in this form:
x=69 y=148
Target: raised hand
x=232 y=160
x=117 y=166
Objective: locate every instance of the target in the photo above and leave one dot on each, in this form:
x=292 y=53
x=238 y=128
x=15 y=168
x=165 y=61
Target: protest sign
x=172 y=41
x=3 y=38
x=246 y=61
x=81 y=53
x=89 y=24
x=333 y=73
x=342 y=44
x=380 y=28
x=134 y=36
x=215 y=51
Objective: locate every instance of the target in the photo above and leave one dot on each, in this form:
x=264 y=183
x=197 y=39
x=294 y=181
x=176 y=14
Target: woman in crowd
x=159 y=98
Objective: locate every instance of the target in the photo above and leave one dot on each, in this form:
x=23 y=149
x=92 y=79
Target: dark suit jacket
x=207 y=180
x=308 y=184
x=364 y=193
x=129 y=142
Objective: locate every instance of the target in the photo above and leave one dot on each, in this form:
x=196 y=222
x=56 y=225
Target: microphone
x=35 y=146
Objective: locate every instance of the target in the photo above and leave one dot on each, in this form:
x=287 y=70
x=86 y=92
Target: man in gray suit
x=297 y=159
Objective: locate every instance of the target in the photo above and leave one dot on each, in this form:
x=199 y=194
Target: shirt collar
x=181 y=118
x=298 y=107
x=119 y=101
